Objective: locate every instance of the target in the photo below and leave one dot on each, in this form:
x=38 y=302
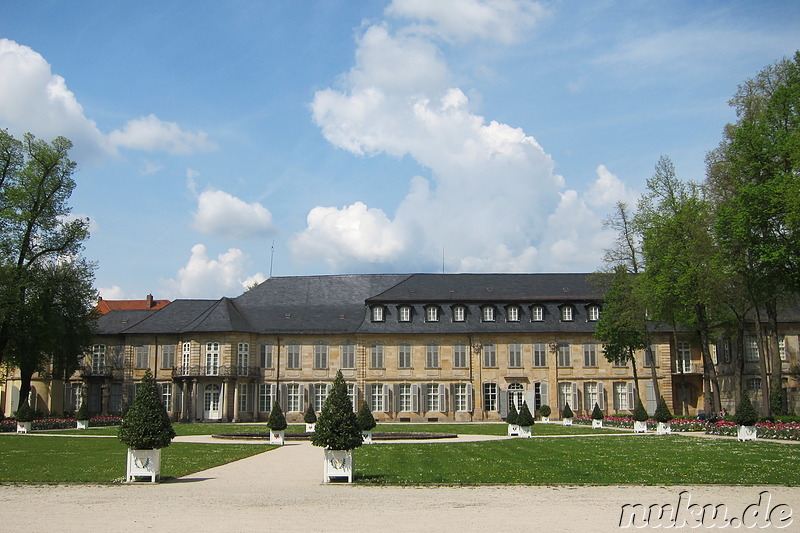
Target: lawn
x=648 y=460
x=62 y=459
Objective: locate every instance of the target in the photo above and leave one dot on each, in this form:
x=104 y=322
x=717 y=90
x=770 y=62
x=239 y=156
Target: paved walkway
x=282 y=490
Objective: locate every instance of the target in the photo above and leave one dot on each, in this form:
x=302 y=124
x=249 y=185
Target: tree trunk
x=632 y=357
x=654 y=374
x=775 y=379
x=709 y=369
x=762 y=361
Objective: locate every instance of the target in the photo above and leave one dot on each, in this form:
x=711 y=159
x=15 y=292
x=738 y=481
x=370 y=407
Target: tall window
x=348 y=355
x=166 y=395
x=320 y=356
x=321 y=391
x=377 y=398
x=265 y=353
x=243 y=357
x=590 y=354
x=98 y=358
x=432 y=398
x=186 y=355
x=352 y=393
x=459 y=313
x=539 y=354
x=376 y=356
x=591 y=395
x=245 y=398
x=489 y=356
x=405 y=400
x=294 y=397
x=459 y=355
x=754 y=385
x=432 y=313
x=650 y=355
x=567 y=313
x=750 y=348
x=265 y=396
x=404 y=355
x=405 y=313
x=488 y=313
x=377 y=313
x=516 y=395
x=462 y=397
x=621 y=396
x=293 y=353
x=212 y=359
x=537 y=313
x=513 y=313
x=564 y=356
x=167 y=356
x=142 y=357
x=782 y=348
x=539 y=395
x=490 y=397
x=432 y=356
x=566 y=395
x=515 y=355
x=684 y=362
x=594 y=313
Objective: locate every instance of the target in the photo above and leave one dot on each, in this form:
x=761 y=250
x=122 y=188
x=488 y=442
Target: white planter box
x=366 y=436
x=597 y=423
x=83 y=424
x=143 y=463
x=24 y=427
x=746 y=433
x=513 y=430
x=639 y=427
x=664 y=428
x=525 y=432
x=567 y=421
x=310 y=428
x=338 y=464
x=546 y=419
x=276 y=437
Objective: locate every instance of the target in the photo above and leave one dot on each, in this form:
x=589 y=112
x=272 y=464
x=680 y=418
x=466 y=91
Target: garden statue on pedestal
x=663 y=416
x=24 y=417
x=366 y=422
x=545 y=411
x=511 y=420
x=276 y=424
x=337 y=432
x=746 y=416
x=566 y=415
x=310 y=418
x=525 y=421
x=146 y=429
x=640 y=418
x=597 y=416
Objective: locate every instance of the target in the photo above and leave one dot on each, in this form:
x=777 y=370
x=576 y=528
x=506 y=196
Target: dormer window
x=488 y=313
x=459 y=313
x=594 y=313
x=537 y=313
x=567 y=313
x=377 y=313
x=404 y=314
x=513 y=313
x=432 y=313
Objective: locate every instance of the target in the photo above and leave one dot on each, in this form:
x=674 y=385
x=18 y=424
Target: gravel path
x=282 y=490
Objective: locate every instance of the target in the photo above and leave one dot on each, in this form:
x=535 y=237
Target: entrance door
x=515 y=395
x=211 y=406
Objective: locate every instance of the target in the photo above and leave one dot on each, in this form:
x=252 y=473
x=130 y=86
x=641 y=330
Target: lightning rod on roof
x=271 y=257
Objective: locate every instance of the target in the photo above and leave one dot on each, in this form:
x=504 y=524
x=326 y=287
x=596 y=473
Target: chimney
x=149 y=301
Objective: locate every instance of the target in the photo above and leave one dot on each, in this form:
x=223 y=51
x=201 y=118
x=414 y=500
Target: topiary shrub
x=662 y=413
x=365 y=419
x=310 y=417
x=146 y=425
x=512 y=416
x=640 y=413
x=525 y=418
x=746 y=414
x=337 y=426
x=545 y=410
x=276 y=421
x=83 y=412
x=24 y=413
x=597 y=414
x=567 y=412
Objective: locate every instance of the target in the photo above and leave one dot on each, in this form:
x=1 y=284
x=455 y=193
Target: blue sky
x=366 y=136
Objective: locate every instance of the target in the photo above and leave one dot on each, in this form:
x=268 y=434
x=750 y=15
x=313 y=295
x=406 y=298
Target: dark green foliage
x=83 y=412
x=146 y=425
x=337 y=427
x=597 y=414
x=525 y=418
x=567 y=412
x=662 y=413
x=310 y=417
x=545 y=410
x=512 y=416
x=24 y=413
x=746 y=414
x=640 y=413
x=276 y=421
x=776 y=401
x=365 y=419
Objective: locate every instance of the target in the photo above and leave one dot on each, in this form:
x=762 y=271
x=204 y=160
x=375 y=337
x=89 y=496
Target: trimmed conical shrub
x=146 y=425
x=567 y=412
x=24 y=413
x=640 y=413
x=662 y=413
x=746 y=414
x=310 y=417
x=337 y=426
x=525 y=418
x=597 y=414
x=83 y=412
x=545 y=410
x=365 y=419
x=276 y=421
x=512 y=416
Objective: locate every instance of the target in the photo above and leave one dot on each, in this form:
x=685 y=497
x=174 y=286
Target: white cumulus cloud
x=222 y=214
x=205 y=277
x=152 y=134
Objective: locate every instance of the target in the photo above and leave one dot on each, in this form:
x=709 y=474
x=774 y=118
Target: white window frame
x=321 y=391
x=186 y=355
x=294 y=356
x=537 y=313
x=404 y=357
x=378 y=401
x=567 y=313
x=540 y=355
x=459 y=313
x=489 y=355
x=243 y=357
x=212 y=358
x=590 y=354
x=462 y=397
x=378 y=313
x=683 y=356
x=321 y=356
x=98 y=358
x=431 y=313
x=431 y=355
x=594 y=313
x=751 y=349
x=487 y=313
x=266 y=354
x=513 y=313
x=294 y=398
x=564 y=359
x=405 y=398
x=166 y=395
x=404 y=313
x=460 y=357
x=376 y=359
x=167 y=355
x=266 y=397
x=515 y=355
x=348 y=355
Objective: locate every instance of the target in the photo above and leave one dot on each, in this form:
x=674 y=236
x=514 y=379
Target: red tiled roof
x=104 y=306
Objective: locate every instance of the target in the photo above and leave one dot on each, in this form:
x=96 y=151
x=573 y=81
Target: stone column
x=236 y=401
x=193 y=400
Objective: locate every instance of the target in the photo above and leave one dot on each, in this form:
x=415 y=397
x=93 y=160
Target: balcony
x=216 y=371
x=688 y=368
x=100 y=371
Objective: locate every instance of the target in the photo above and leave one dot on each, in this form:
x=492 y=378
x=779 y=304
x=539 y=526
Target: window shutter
x=469 y=397
x=615 y=396
x=530 y=399
x=631 y=402
x=354 y=398
x=424 y=391
x=453 y=395
x=385 y=398
x=575 y=397
x=442 y=398
x=601 y=395
x=282 y=396
x=302 y=406
x=543 y=393
x=502 y=398
x=586 y=405
x=415 y=398
x=396 y=393
x=367 y=397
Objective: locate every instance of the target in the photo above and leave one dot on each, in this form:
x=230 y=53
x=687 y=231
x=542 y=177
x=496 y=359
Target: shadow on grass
x=184 y=479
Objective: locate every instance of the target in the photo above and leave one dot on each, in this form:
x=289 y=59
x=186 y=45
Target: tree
x=337 y=427
x=40 y=264
x=597 y=414
x=640 y=413
x=310 y=417
x=525 y=418
x=626 y=249
x=512 y=416
x=662 y=413
x=364 y=418
x=276 y=420
x=146 y=425
x=745 y=413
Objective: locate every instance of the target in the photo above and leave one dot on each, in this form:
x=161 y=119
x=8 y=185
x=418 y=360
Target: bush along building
x=419 y=347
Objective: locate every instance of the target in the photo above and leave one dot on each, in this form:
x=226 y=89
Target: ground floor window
x=621 y=396
x=404 y=394
x=377 y=397
x=490 y=397
x=463 y=396
x=294 y=397
x=432 y=400
x=352 y=393
x=516 y=395
x=245 y=397
x=166 y=395
x=539 y=395
x=320 y=392
x=265 y=397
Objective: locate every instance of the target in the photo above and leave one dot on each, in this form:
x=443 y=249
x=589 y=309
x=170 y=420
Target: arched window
x=516 y=395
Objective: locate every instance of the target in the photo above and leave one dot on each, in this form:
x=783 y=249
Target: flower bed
x=766 y=430
x=677 y=424
x=9 y=425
